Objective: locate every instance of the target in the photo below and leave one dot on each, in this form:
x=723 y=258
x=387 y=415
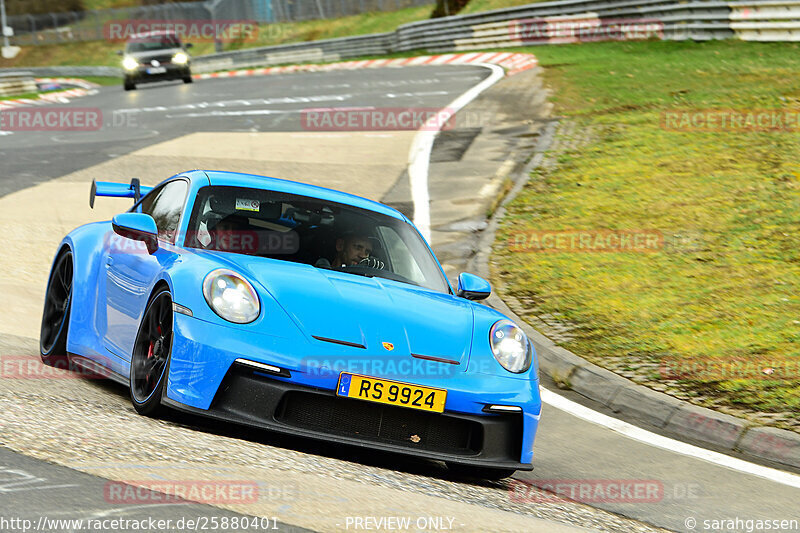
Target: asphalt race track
x=89 y=431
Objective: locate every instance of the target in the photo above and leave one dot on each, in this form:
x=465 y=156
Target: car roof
x=153 y=33
x=236 y=179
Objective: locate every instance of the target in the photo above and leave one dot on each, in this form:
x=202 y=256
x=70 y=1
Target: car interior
x=305 y=230
x=291 y=231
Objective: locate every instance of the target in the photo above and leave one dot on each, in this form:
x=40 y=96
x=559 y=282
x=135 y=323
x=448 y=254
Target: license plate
x=391 y=392
x=157 y=70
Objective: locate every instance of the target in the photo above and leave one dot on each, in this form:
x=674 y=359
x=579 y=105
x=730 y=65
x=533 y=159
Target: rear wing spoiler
x=117 y=190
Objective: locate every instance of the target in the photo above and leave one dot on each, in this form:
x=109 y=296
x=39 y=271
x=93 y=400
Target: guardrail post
x=3 y=22
x=59 y=37
x=280 y=16
x=34 y=33
x=74 y=33
x=98 y=28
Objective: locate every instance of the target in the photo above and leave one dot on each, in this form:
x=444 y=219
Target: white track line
x=633 y=432
x=420 y=153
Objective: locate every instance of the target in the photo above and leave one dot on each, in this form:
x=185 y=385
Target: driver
x=227 y=234
x=355 y=249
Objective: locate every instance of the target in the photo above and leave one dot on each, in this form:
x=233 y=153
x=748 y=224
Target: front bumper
x=204 y=379
x=172 y=72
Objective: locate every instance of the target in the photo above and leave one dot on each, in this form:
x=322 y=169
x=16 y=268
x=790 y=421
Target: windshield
x=302 y=229
x=149 y=44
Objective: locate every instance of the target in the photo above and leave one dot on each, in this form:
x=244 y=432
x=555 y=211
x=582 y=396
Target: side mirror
x=188 y=45
x=473 y=287
x=137 y=226
x=120 y=53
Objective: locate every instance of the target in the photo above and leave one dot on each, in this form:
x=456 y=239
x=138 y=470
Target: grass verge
x=712 y=314
x=18 y=96
x=103 y=80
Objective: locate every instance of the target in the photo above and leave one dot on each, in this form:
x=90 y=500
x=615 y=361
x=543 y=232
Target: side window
x=165 y=205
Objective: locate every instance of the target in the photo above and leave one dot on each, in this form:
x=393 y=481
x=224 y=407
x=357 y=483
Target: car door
x=131 y=270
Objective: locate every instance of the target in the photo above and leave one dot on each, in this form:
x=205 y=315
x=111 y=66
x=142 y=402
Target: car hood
x=335 y=310
x=155 y=54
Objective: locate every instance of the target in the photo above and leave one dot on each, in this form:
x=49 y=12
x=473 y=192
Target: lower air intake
x=384 y=423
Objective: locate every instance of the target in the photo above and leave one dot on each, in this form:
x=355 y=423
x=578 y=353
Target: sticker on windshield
x=242 y=204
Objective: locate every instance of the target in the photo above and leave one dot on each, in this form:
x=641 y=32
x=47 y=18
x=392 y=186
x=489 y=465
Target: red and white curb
x=84 y=88
x=511 y=62
x=70 y=81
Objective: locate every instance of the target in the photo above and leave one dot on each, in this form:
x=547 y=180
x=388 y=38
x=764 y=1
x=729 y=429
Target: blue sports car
x=294 y=308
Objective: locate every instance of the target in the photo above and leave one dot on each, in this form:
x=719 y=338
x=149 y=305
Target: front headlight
x=129 y=63
x=180 y=58
x=510 y=346
x=231 y=296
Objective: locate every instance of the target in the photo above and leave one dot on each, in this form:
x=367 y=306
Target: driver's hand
x=372 y=262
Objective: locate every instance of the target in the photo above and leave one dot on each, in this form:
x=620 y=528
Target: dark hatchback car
x=155 y=56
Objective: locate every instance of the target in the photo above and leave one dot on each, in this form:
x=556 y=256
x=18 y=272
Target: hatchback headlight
x=510 y=346
x=231 y=296
x=180 y=58
x=129 y=63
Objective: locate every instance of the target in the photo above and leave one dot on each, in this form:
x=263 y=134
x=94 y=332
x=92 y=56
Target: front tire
x=55 y=317
x=129 y=85
x=151 y=353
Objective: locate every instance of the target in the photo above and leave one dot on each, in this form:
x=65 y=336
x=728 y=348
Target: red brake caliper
x=152 y=344
x=150 y=350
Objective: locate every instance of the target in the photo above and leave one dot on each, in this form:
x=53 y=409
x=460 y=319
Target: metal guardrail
x=68 y=72
x=542 y=23
x=678 y=21
x=313 y=51
x=766 y=21
x=13 y=83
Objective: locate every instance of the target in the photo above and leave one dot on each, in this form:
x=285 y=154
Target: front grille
x=161 y=59
x=385 y=423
